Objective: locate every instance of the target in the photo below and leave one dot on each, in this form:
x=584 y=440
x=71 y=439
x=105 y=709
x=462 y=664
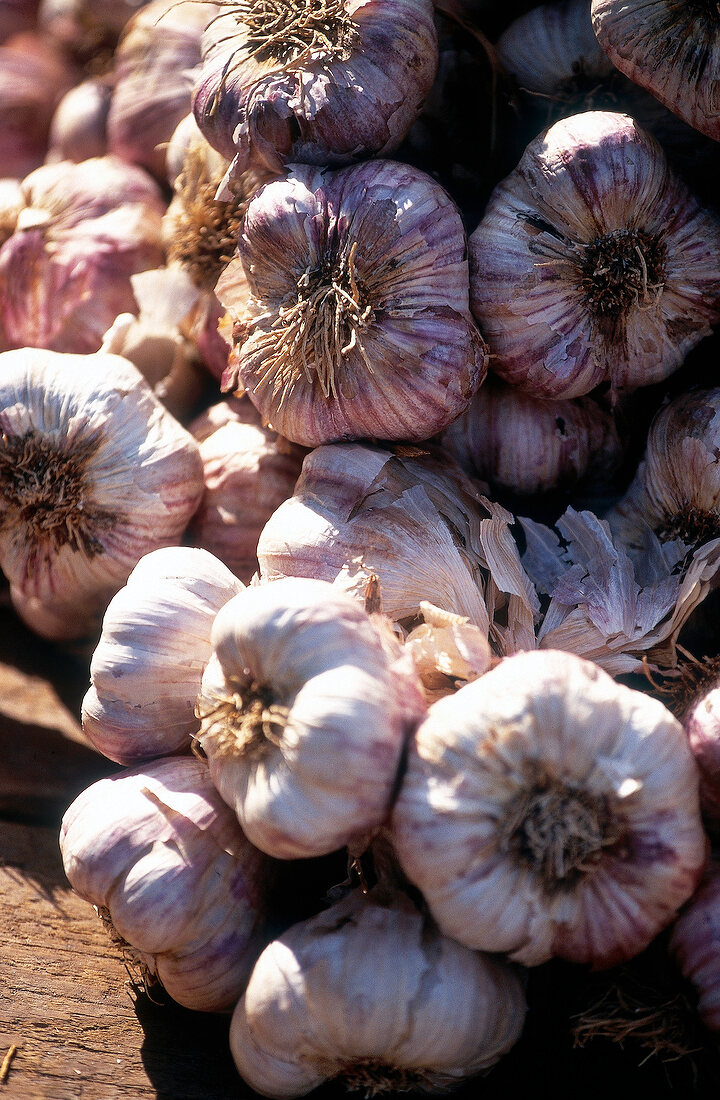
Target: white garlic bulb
x=548 y=811
x=94 y=474
x=146 y=671
x=305 y=711
x=163 y=859
x=369 y=994
x=593 y=262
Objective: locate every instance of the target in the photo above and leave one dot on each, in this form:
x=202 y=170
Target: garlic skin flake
x=163 y=859
x=593 y=262
x=370 y=995
x=94 y=474
x=329 y=83
x=548 y=811
x=147 y=667
x=304 y=716
x=349 y=292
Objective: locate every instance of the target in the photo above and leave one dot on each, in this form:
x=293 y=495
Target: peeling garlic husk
x=418 y=524
x=248 y=472
x=676 y=489
x=337 y=81
x=78 y=129
x=65 y=271
x=369 y=994
x=305 y=711
x=528 y=445
x=593 y=263
x=695 y=945
x=447 y=651
x=670 y=48
x=146 y=670
x=349 y=293
x=548 y=811
x=165 y=863
x=94 y=474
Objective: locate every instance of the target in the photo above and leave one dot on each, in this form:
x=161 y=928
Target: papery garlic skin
x=349 y=293
x=147 y=667
x=670 y=48
x=94 y=474
x=548 y=811
x=248 y=472
x=65 y=272
x=369 y=995
x=304 y=716
x=593 y=263
x=528 y=445
x=161 y=856
x=341 y=82
x=695 y=945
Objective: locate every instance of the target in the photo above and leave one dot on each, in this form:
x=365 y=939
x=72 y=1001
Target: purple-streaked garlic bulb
x=547 y=810
x=695 y=945
x=349 y=293
x=670 y=48
x=146 y=671
x=248 y=472
x=371 y=996
x=701 y=723
x=164 y=861
x=155 y=65
x=79 y=126
x=418 y=524
x=676 y=489
x=94 y=474
x=324 y=83
x=34 y=76
x=65 y=271
x=593 y=263
x=306 y=707
x=526 y=444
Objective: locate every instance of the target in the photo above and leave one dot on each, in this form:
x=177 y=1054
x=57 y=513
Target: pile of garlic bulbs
x=358 y=418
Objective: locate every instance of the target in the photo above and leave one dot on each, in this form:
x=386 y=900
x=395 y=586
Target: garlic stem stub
x=548 y=811
x=349 y=295
x=164 y=861
x=327 y=82
x=146 y=671
x=593 y=262
x=94 y=474
x=370 y=995
x=305 y=716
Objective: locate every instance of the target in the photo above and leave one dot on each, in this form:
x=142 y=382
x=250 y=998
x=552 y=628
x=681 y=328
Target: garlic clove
x=593 y=262
x=349 y=292
x=94 y=474
x=447 y=650
x=304 y=716
x=164 y=861
x=369 y=995
x=147 y=667
x=548 y=811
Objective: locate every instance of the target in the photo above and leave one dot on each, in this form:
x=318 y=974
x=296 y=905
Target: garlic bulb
x=147 y=668
x=324 y=84
x=615 y=607
x=34 y=76
x=305 y=710
x=65 y=271
x=79 y=125
x=94 y=474
x=155 y=64
x=548 y=811
x=671 y=49
x=349 y=294
x=248 y=472
x=164 y=861
x=702 y=728
x=529 y=445
x=369 y=995
x=676 y=489
x=415 y=522
x=695 y=945
x=593 y=263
